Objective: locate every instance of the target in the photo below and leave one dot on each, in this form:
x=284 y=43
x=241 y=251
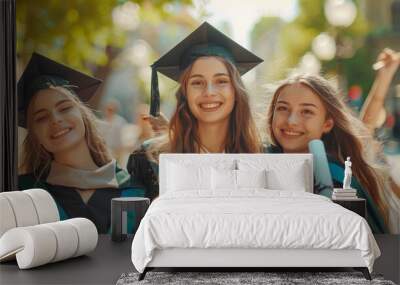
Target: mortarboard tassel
x=155 y=93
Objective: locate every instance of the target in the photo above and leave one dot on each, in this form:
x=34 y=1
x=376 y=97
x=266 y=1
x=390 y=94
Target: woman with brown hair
x=212 y=113
x=307 y=107
x=63 y=151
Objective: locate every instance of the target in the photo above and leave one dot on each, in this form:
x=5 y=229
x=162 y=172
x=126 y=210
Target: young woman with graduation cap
x=64 y=153
x=307 y=107
x=212 y=112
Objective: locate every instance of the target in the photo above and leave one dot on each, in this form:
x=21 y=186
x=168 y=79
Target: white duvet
x=252 y=218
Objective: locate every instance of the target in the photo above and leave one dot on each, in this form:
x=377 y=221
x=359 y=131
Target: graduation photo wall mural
x=103 y=92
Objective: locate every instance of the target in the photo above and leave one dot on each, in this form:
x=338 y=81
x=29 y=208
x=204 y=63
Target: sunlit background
x=117 y=41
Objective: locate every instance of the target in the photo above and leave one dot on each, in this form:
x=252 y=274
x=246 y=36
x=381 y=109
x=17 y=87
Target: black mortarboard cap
x=42 y=72
x=204 y=41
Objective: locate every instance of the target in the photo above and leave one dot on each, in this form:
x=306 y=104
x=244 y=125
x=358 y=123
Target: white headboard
x=213 y=159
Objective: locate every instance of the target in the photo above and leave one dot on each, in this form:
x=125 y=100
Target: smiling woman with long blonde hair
x=38 y=156
x=63 y=151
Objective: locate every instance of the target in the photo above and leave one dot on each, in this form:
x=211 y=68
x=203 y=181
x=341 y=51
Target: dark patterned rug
x=229 y=278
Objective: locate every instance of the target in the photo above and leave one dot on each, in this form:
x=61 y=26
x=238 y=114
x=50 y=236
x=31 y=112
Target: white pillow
x=251 y=178
x=181 y=177
x=281 y=174
x=293 y=179
x=223 y=179
x=235 y=179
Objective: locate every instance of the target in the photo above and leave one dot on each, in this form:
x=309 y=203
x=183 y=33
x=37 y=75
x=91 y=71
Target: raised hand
x=159 y=124
x=388 y=62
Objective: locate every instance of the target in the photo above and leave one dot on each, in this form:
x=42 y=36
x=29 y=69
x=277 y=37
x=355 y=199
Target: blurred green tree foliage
x=296 y=39
x=78 y=32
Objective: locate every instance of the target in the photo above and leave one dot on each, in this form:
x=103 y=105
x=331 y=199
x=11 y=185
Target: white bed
x=197 y=224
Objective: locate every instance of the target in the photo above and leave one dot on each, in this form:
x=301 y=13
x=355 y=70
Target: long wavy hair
x=183 y=135
x=348 y=137
x=37 y=160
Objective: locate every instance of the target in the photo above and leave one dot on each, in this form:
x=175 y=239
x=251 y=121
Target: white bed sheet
x=251 y=218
